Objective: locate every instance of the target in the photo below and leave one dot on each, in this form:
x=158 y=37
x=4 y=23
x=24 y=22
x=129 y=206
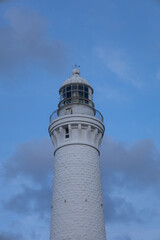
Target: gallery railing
x=55 y=115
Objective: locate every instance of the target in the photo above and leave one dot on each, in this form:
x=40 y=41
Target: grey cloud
x=31 y=200
x=39 y=201
x=1 y=1
x=122 y=238
x=117 y=209
x=10 y=236
x=117 y=61
x=33 y=160
x=25 y=42
x=136 y=166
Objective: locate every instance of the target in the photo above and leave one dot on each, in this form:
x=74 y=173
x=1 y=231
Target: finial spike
x=76 y=66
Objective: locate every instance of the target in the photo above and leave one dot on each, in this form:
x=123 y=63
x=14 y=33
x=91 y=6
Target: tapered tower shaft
x=76 y=130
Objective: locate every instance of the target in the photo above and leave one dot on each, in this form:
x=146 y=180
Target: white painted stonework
x=77 y=205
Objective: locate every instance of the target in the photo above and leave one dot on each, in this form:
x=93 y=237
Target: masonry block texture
x=76 y=132
x=77 y=210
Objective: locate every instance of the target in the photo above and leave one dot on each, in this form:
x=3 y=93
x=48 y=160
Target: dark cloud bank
x=136 y=167
x=2 y=1
x=33 y=161
x=25 y=42
x=8 y=236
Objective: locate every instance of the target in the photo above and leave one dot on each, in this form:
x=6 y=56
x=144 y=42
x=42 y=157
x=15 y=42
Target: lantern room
x=76 y=90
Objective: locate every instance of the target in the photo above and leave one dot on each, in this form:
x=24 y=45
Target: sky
x=117 y=45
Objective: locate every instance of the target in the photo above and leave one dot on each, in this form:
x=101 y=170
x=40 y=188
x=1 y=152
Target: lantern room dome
x=76 y=78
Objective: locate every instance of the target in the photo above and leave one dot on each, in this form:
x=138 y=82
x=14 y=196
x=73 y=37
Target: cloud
x=117 y=209
x=157 y=1
x=9 y=236
x=118 y=63
x=25 y=42
x=135 y=167
x=122 y=238
x=31 y=200
x=158 y=75
x=111 y=94
x=33 y=160
x=2 y=1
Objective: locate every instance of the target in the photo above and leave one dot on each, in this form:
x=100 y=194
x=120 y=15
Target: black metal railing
x=74 y=100
x=55 y=115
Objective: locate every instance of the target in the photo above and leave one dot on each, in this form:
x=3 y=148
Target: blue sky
x=117 y=45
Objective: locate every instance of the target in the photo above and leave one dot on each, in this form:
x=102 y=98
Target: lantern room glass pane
x=80 y=93
x=69 y=88
x=86 y=95
x=68 y=94
x=63 y=90
x=86 y=89
x=61 y=97
x=74 y=87
x=80 y=87
x=74 y=93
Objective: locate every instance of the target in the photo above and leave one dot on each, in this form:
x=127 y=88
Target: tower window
x=67 y=133
x=68 y=110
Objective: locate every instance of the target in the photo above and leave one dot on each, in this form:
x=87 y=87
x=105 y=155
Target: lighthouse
x=76 y=130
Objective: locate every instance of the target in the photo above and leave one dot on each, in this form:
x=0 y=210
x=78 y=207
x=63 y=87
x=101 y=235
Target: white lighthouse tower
x=76 y=130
